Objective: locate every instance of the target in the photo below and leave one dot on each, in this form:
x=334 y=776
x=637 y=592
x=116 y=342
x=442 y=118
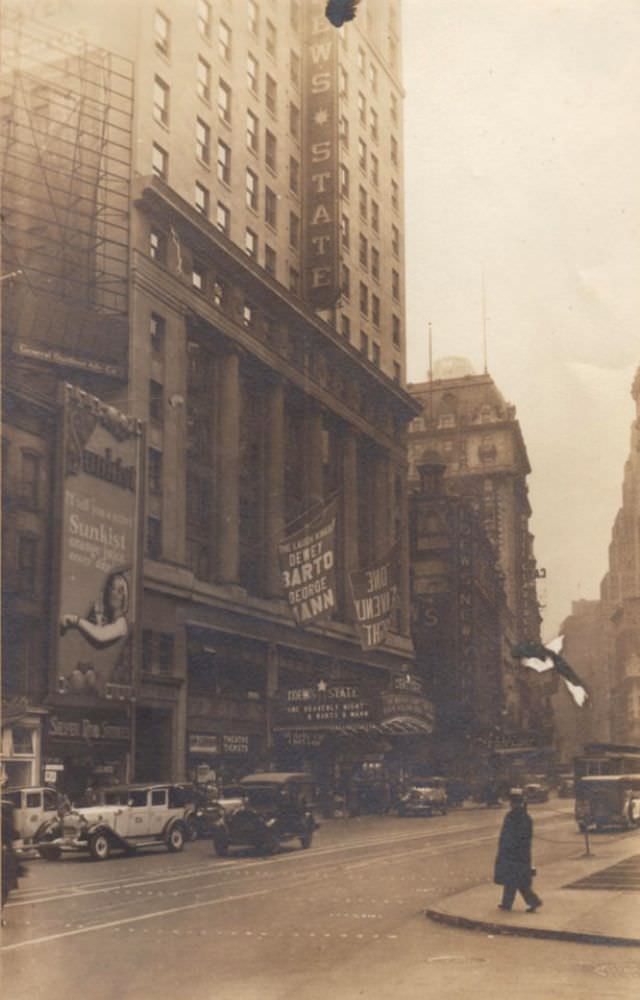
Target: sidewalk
x=608 y=915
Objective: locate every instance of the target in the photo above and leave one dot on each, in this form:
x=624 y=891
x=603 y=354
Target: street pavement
x=592 y=896
x=344 y=919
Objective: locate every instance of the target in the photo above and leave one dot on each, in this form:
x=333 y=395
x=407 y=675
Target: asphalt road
x=342 y=920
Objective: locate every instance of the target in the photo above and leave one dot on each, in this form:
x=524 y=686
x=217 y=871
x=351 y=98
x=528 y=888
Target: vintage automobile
x=33 y=808
x=128 y=817
x=424 y=797
x=535 y=791
x=276 y=807
x=606 y=800
x=566 y=787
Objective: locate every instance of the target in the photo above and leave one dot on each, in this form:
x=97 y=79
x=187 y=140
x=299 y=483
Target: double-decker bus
x=607 y=786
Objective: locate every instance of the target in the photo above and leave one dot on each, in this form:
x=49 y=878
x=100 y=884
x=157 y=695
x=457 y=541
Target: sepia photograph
x=320 y=499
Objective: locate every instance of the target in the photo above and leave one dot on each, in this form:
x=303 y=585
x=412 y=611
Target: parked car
x=607 y=800
x=129 y=817
x=275 y=807
x=11 y=868
x=424 y=797
x=536 y=792
x=33 y=808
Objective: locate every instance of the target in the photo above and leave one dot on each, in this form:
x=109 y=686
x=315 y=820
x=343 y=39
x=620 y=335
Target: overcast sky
x=522 y=143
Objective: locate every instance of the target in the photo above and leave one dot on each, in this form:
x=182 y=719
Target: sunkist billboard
x=97 y=567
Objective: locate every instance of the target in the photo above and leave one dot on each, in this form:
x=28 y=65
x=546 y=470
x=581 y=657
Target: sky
x=522 y=164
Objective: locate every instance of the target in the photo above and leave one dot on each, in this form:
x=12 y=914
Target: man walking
x=513 y=862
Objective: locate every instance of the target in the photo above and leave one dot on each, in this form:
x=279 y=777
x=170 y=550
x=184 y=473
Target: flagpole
x=484 y=325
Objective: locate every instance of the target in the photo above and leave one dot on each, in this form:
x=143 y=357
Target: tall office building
x=258 y=337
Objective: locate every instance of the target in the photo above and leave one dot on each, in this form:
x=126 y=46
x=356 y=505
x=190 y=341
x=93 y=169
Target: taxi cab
x=33 y=807
x=128 y=817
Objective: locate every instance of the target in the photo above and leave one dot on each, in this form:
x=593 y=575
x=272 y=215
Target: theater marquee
x=320 y=159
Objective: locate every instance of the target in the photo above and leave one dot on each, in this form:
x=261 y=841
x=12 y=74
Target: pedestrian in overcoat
x=513 y=869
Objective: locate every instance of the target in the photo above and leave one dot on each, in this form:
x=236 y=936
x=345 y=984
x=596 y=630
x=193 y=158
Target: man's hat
x=516 y=795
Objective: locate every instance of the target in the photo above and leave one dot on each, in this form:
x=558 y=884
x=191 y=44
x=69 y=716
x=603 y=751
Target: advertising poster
x=375 y=595
x=99 y=539
x=307 y=566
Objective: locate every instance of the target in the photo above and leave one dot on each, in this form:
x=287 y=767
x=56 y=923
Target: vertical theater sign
x=320 y=138
x=97 y=571
x=307 y=568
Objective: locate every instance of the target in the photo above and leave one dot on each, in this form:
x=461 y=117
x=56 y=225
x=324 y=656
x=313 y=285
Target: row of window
x=343 y=92
x=162 y=28
x=160 y=156
x=345 y=186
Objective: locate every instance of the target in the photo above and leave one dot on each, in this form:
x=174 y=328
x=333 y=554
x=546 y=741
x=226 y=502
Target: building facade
x=268 y=381
x=587 y=640
x=620 y=597
x=468 y=432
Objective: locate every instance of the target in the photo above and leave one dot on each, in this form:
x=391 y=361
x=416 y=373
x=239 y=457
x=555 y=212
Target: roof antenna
x=484 y=325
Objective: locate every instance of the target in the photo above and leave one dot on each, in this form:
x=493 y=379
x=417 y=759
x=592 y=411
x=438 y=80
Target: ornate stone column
x=274 y=487
x=349 y=515
x=228 y=467
x=313 y=457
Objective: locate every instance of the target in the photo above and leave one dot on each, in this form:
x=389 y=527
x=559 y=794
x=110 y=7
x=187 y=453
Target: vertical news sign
x=320 y=158
x=99 y=523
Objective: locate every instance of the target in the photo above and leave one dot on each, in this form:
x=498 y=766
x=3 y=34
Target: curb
x=532 y=932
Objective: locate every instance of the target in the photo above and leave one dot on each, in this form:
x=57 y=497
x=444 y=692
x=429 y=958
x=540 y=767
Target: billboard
x=97 y=566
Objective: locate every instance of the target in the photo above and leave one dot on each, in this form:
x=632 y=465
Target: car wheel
x=221 y=846
x=50 y=853
x=268 y=846
x=99 y=847
x=175 y=838
x=191 y=827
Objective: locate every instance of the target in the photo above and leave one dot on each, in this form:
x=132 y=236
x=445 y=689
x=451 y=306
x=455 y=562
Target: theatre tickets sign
x=375 y=597
x=307 y=567
x=99 y=518
x=320 y=158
